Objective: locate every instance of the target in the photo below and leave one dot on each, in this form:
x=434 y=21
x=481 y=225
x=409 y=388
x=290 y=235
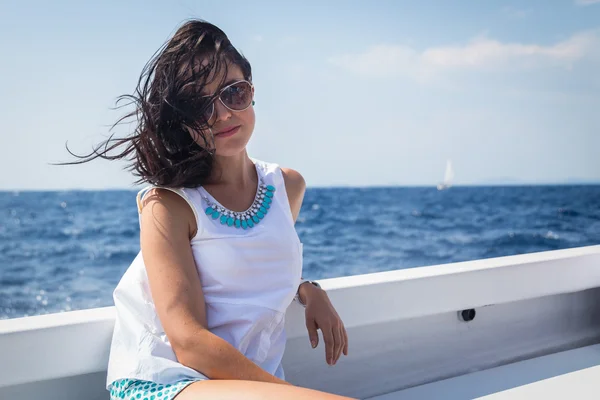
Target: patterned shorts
x=144 y=390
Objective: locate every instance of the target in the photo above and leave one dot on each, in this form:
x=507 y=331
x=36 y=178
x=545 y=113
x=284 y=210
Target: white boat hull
x=403 y=327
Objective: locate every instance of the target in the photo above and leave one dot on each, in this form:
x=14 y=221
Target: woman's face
x=231 y=129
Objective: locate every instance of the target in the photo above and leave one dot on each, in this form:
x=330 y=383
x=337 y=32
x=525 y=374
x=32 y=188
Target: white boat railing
x=76 y=343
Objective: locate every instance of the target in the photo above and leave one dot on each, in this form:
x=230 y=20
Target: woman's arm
x=168 y=223
x=320 y=313
x=295 y=186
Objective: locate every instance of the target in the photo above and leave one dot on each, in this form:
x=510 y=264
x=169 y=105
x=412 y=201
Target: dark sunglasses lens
x=237 y=96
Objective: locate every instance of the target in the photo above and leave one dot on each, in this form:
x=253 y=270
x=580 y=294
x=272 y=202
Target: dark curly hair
x=168 y=104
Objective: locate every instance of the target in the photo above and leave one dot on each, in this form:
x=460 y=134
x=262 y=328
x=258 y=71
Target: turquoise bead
x=260 y=211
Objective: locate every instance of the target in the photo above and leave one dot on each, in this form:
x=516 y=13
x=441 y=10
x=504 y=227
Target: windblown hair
x=168 y=105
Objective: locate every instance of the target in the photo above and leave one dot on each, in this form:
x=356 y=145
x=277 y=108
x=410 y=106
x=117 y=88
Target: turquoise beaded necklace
x=245 y=219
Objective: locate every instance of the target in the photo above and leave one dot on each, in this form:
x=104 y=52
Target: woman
x=200 y=311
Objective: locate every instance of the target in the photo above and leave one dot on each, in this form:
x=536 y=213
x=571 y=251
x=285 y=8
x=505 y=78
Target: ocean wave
x=77 y=245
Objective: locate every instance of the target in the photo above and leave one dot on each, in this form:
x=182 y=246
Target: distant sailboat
x=448 y=177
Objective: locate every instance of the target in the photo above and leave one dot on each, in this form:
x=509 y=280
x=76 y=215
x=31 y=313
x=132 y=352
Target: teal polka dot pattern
x=133 y=389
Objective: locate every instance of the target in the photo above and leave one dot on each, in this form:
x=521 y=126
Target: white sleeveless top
x=249 y=278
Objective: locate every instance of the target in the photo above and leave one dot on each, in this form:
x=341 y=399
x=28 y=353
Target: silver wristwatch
x=303 y=281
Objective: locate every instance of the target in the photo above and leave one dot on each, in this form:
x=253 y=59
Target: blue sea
x=67 y=250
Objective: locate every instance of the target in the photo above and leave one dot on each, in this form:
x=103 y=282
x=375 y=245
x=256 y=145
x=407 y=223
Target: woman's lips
x=228 y=132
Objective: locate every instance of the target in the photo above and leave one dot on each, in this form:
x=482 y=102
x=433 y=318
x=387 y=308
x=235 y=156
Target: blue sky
x=348 y=93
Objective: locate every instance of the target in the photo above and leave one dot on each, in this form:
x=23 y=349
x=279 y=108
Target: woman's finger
x=313 y=336
x=340 y=343
x=345 y=340
x=329 y=340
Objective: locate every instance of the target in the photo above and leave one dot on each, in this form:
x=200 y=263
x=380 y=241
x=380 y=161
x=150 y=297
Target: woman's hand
x=320 y=314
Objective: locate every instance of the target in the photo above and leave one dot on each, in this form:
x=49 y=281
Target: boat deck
x=568 y=374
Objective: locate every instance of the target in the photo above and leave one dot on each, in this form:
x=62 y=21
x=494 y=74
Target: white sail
x=448 y=177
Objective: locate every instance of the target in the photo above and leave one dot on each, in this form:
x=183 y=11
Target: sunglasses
x=236 y=96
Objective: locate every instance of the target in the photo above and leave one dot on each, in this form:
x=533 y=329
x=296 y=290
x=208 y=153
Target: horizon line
x=334 y=186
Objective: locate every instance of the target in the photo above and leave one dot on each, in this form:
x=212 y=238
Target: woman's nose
x=222 y=113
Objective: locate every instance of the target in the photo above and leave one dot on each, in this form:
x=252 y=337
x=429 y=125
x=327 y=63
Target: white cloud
x=257 y=38
x=481 y=53
x=586 y=2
